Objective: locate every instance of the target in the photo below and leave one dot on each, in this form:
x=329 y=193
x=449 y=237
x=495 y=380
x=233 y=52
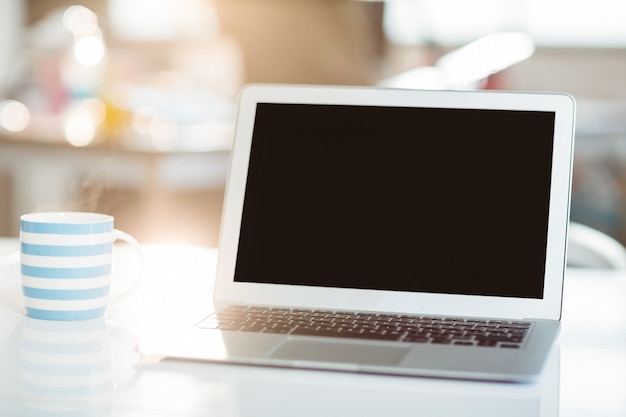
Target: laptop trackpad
x=339 y=351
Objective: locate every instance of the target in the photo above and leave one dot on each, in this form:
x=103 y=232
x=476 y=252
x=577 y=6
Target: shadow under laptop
x=265 y=391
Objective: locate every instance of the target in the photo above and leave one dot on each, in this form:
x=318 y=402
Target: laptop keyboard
x=375 y=326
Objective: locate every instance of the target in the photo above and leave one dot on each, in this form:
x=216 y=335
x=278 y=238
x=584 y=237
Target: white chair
x=590 y=248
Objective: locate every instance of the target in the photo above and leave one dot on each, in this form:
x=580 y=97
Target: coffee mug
x=66 y=260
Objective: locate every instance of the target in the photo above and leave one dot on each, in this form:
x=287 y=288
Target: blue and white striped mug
x=66 y=260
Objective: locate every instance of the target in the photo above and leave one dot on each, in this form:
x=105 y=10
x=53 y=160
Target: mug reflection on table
x=65 y=368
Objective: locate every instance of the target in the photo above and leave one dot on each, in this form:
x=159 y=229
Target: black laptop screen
x=398 y=198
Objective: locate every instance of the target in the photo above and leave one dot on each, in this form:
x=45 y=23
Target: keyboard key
x=278 y=329
x=416 y=339
x=230 y=327
x=356 y=335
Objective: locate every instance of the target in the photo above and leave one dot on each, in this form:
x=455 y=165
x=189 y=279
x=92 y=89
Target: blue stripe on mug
x=86 y=272
x=37 y=313
x=66 y=251
x=66 y=294
x=67 y=229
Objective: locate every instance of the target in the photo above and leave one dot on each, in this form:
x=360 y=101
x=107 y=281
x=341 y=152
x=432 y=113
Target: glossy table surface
x=45 y=369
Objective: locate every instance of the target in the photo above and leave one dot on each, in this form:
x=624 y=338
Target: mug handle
x=123 y=236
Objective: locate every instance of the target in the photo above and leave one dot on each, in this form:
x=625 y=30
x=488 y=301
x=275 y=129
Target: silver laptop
x=391 y=231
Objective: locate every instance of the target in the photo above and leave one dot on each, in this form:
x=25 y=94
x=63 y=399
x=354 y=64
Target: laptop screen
x=431 y=200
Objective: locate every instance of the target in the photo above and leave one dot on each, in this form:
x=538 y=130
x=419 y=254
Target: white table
x=585 y=376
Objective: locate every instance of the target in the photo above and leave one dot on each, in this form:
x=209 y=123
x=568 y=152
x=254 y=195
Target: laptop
x=391 y=231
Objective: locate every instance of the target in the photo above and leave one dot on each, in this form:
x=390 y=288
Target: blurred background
x=126 y=106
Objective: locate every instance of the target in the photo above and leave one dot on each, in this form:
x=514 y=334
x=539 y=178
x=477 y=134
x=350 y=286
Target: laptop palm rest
x=339 y=351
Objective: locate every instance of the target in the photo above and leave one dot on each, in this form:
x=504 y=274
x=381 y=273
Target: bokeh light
x=89 y=50
x=81 y=121
x=80 y=21
x=14 y=116
x=79 y=132
x=94 y=109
